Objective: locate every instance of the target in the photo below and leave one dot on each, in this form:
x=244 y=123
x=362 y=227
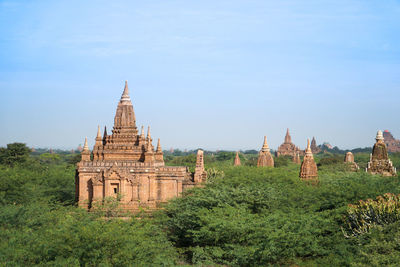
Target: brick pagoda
x=308 y=169
x=265 y=158
x=237 y=160
x=379 y=162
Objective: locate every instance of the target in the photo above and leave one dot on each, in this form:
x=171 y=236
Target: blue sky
x=211 y=74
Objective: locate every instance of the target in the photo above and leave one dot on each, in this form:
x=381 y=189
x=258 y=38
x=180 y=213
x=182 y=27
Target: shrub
x=368 y=214
x=282 y=161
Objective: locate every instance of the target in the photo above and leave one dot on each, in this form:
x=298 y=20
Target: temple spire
x=265 y=145
x=105 y=132
x=308 y=149
x=149 y=140
x=158 y=150
x=288 y=138
x=148 y=133
x=125 y=94
x=124 y=120
x=85 y=146
x=142 y=132
x=98 y=133
x=99 y=139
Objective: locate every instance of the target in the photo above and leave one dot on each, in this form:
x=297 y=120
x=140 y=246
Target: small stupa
x=379 y=162
x=308 y=169
x=265 y=158
x=237 y=160
x=349 y=159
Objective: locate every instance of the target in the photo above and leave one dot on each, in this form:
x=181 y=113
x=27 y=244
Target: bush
x=364 y=216
x=38 y=234
x=282 y=161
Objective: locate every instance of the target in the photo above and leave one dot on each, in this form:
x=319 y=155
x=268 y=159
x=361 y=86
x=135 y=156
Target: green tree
x=14 y=153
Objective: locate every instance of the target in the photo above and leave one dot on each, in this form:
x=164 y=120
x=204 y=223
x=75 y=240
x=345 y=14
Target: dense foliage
x=368 y=214
x=245 y=216
x=39 y=225
x=268 y=216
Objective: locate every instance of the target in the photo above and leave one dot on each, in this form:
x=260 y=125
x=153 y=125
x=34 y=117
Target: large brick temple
x=125 y=164
x=288 y=148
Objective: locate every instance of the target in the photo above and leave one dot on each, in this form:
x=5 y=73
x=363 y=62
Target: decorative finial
x=288 y=138
x=85 y=146
x=308 y=149
x=148 y=133
x=265 y=145
x=142 y=132
x=379 y=136
x=149 y=146
x=159 y=146
x=98 y=133
x=125 y=94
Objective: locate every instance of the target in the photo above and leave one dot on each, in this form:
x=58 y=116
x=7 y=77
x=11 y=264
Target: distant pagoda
x=379 y=162
x=288 y=148
x=392 y=144
x=265 y=158
x=308 y=169
x=237 y=160
x=314 y=148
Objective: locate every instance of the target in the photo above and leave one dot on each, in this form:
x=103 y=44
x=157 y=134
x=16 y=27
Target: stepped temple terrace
x=379 y=162
x=124 y=164
x=288 y=148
